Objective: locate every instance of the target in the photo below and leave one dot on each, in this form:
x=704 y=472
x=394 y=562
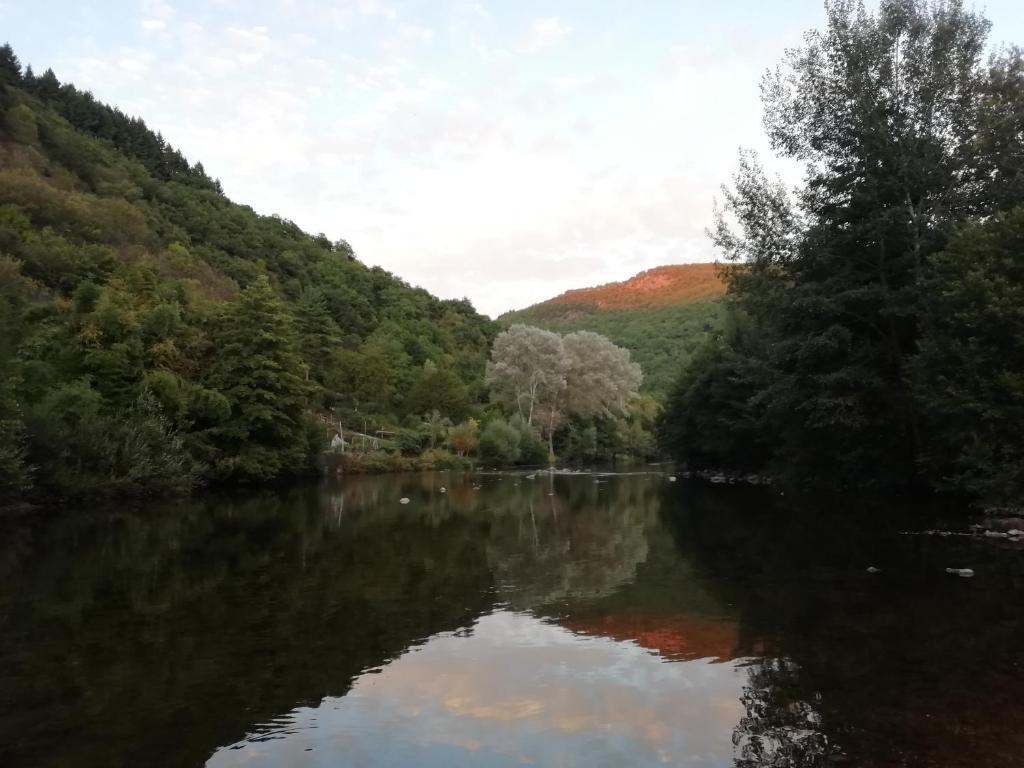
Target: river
x=504 y=620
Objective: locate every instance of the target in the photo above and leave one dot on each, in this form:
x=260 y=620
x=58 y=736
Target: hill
x=154 y=333
x=661 y=315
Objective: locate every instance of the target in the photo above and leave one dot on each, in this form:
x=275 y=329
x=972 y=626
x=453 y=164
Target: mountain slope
x=661 y=315
x=145 y=319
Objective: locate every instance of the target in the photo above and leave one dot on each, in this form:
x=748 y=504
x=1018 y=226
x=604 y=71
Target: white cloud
x=544 y=33
x=156 y=15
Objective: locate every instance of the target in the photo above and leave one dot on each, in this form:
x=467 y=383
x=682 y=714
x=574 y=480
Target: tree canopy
x=907 y=137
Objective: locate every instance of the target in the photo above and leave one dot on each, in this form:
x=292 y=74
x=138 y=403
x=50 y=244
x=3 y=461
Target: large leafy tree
x=543 y=377
x=903 y=134
x=527 y=367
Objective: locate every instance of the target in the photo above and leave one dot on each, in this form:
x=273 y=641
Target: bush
x=436 y=458
x=499 y=442
x=411 y=442
x=85 y=452
x=532 y=450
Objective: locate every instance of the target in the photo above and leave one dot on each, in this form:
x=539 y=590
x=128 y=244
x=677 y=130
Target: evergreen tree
x=318 y=333
x=261 y=374
x=10 y=67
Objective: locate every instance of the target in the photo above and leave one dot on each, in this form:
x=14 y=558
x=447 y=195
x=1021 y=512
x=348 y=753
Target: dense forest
x=155 y=335
x=662 y=316
x=875 y=336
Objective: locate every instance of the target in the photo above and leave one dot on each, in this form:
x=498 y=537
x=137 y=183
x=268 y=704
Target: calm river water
x=497 y=620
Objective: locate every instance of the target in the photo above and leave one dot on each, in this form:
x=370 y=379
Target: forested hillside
x=154 y=334
x=662 y=316
x=877 y=334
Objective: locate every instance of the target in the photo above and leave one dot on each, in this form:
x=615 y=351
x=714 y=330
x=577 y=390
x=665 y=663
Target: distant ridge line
x=659 y=286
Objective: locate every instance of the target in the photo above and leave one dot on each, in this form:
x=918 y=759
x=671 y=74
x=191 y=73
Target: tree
x=436 y=426
x=499 y=442
x=888 y=144
x=10 y=67
x=437 y=389
x=600 y=376
x=462 y=437
x=969 y=373
x=318 y=334
x=892 y=114
x=544 y=376
x=261 y=373
x=526 y=366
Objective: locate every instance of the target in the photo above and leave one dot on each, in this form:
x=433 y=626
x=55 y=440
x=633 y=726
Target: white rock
x=963 y=572
x=872 y=569
x=672 y=479
x=443 y=489
x=404 y=500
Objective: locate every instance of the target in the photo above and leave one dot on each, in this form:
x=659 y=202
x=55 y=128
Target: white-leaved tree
x=544 y=376
x=526 y=368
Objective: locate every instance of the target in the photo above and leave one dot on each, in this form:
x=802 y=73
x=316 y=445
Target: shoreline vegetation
x=156 y=337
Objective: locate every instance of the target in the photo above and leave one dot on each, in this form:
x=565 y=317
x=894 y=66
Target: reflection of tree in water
x=905 y=667
x=545 y=539
x=153 y=638
x=551 y=541
x=779 y=729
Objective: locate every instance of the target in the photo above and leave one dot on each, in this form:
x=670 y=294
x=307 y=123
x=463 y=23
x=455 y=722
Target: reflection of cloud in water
x=514 y=691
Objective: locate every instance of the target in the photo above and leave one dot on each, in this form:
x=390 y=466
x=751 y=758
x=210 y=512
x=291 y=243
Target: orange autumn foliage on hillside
x=673 y=284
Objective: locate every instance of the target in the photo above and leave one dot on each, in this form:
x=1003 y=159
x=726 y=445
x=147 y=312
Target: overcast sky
x=501 y=151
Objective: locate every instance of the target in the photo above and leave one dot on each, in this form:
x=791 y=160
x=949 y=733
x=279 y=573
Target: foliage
x=526 y=369
x=905 y=137
x=543 y=377
x=532 y=450
x=662 y=338
x=437 y=389
x=462 y=438
x=499 y=442
x=968 y=376
x=81 y=451
x=14 y=474
x=125 y=273
x=261 y=374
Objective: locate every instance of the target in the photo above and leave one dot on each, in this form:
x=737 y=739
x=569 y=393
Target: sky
x=498 y=151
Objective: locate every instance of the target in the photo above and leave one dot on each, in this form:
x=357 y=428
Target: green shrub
x=499 y=442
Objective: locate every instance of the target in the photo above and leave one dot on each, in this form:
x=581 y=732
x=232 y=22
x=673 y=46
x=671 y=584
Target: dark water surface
x=574 y=621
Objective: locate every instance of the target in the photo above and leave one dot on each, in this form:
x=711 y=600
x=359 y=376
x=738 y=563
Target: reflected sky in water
x=514 y=690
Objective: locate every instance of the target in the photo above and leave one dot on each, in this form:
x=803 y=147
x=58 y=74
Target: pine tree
x=318 y=332
x=10 y=67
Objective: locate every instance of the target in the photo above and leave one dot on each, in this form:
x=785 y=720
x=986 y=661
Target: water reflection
x=503 y=620
x=514 y=690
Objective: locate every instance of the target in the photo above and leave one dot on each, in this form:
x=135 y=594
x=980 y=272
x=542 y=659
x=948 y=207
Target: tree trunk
x=551 y=438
